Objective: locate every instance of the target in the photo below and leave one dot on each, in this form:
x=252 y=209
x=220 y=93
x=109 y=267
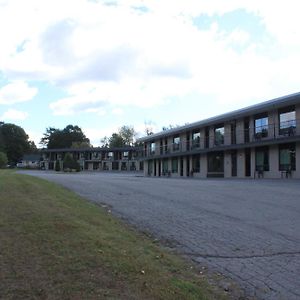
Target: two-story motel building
x=262 y=140
x=95 y=159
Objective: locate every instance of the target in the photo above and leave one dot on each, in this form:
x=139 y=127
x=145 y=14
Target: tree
x=149 y=127
x=3 y=160
x=124 y=137
x=14 y=142
x=56 y=138
x=128 y=135
x=70 y=163
x=116 y=141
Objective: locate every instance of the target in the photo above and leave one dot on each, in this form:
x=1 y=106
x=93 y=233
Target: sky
x=104 y=64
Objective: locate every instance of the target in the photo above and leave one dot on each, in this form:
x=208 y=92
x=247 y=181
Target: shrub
x=3 y=160
x=70 y=163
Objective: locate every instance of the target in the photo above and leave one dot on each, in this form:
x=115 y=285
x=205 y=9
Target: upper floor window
x=219 y=135
x=110 y=155
x=196 y=139
x=261 y=126
x=152 y=148
x=176 y=143
x=125 y=154
x=287 y=121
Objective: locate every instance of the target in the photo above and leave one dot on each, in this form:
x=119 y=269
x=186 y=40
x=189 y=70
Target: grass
x=56 y=245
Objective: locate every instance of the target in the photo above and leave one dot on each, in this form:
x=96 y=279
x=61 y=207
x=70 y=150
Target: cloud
x=14 y=115
x=146 y=53
x=15 y=92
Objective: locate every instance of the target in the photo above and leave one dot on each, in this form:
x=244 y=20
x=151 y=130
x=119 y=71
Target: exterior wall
x=240 y=131
x=241 y=163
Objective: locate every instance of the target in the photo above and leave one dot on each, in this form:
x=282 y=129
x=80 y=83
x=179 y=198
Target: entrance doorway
x=247 y=162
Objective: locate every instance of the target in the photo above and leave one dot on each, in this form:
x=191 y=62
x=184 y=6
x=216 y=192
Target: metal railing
x=246 y=136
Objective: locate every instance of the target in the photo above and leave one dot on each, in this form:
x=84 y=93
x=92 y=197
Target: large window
x=287 y=157
x=196 y=139
x=287 y=121
x=216 y=162
x=219 y=135
x=262 y=159
x=176 y=143
x=261 y=124
x=115 y=165
x=152 y=148
x=174 y=165
x=196 y=163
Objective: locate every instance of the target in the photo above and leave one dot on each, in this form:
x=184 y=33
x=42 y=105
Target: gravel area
x=248 y=230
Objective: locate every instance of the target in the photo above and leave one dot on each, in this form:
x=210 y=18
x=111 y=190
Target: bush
x=57 y=166
x=70 y=163
x=3 y=160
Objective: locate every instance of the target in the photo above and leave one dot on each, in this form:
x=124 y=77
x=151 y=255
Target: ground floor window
x=115 y=165
x=287 y=157
x=165 y=166
x=196 y=163
x=216 y=162
x=132 y=166
x=262 y=159
x=105 y=167
x=124 y=166
x=174 y=165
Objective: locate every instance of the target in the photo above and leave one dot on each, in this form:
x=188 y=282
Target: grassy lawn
x=55 y=245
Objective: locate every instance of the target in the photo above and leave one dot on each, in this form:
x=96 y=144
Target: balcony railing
x=248 y=136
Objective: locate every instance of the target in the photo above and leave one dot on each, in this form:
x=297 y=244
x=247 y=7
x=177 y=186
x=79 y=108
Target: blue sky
x=104 y=64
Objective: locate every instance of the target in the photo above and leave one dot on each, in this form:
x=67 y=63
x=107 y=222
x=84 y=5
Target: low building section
x=258 y=141
x=95 y=159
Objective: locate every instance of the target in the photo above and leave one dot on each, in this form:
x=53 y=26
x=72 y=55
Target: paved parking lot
x=248 y=230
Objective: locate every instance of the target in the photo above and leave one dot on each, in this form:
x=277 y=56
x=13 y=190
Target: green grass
x=55 y=245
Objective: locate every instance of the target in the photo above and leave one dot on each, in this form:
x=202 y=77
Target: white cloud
x=114 y=56
x=14 y=115
x=15 y=92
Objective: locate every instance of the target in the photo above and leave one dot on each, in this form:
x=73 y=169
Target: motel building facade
x=95 y=159
x=260 y=141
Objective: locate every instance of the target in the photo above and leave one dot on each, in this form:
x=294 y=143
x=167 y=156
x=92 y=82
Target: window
x=261 y=126
x=166 y=146
x=152 y=148
x=196 y=139
x=262 y=159
x=216 y=162
x=110 y=155
x=124 y=166
x=196 y=164
x=125 y=154
x=165 y=167
x=219 y=135
x=176 y=143
x=287 y=121
x=132 y=166
x=115 y=165
x=287 y=157
x=174 y=165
